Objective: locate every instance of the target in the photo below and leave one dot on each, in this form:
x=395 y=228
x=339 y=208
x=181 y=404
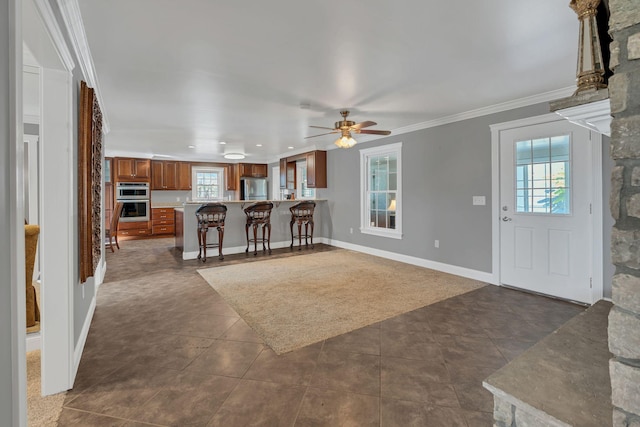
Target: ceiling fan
x=345 y=127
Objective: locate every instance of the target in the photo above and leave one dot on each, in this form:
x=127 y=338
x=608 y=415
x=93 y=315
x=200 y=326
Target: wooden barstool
x=302 y=213
x=210 y=215
x=258 y=215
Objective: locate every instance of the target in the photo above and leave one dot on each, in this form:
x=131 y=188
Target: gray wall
x=81 y=298
x=6 y=207
x=442 y=169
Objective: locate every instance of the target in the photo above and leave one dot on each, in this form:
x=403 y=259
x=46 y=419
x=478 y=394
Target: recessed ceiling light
x=258 y=145
x=234 y=156
x=191 y=146
x=290 y=148
x=222 y=142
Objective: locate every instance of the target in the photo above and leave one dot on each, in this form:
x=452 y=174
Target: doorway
x=546 y=236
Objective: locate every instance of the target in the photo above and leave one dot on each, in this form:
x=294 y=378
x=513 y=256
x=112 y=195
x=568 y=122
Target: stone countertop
x=226 y=202
x=564 y=377
x=166 y=205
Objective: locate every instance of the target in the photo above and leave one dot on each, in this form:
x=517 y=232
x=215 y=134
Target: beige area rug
x=294 y=302
x=41 y=411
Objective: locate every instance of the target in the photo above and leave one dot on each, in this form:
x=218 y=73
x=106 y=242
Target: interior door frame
x=597 y=225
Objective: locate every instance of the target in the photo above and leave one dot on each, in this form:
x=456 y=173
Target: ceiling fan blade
x=321 y=127
x=374 y=132
x=328 y=133
x=364 y=124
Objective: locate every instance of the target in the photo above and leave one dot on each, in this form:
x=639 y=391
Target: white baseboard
x=101 y=270
x=33 y=342
x=420 y=262
x=77 y=352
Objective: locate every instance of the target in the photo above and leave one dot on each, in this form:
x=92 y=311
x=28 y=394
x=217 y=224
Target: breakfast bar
x=234 y=236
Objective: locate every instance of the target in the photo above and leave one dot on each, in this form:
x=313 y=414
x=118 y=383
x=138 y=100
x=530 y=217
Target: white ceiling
x=196 y=72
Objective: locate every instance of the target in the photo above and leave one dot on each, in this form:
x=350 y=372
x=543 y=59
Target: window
x=302 y=191
x=207 y=183
x=381 y=189
x=543 y=176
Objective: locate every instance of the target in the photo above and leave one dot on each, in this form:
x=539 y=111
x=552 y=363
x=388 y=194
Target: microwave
x=132 y=191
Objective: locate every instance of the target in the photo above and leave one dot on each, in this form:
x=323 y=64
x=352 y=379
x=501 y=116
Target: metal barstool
x=302 y=213
x=258 y=215
x=210 y=215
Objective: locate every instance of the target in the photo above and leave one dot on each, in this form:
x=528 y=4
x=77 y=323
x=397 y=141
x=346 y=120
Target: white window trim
x=194 y=188
x=365 y=226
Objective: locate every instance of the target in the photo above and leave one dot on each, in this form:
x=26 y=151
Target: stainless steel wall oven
x=135 y=199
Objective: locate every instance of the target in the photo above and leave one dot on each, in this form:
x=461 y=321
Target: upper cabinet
x=132 y=170
x=291 y=175
x=254 y=170
x=164 y=175
x=316 y=166
x=184 y=176
x=317 y=169
x=283 y=173
x=231 y=177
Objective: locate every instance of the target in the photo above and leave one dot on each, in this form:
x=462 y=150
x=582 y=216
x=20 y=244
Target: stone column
x=624 y=318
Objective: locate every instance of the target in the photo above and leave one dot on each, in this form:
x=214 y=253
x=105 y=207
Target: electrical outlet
x=177 y=199
x=479 y=200
x=436 y=243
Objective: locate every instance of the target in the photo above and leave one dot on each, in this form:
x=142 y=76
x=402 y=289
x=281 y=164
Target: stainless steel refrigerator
x=253 y=188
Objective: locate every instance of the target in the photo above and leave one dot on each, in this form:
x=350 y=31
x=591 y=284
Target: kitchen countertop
x=180 y=205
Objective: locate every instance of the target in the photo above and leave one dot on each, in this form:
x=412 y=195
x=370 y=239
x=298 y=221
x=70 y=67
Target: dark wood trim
x=89 y=182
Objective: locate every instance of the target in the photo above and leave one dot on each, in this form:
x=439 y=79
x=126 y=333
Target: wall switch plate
x=351 y=230
x=436 y=243
x=479 y=200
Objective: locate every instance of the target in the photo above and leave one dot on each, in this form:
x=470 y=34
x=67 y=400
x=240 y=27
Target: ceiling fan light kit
x=346 y=140
x=345 y=127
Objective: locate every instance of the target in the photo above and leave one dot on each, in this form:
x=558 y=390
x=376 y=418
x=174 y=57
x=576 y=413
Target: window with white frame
x=207 y=183
x=381 y=189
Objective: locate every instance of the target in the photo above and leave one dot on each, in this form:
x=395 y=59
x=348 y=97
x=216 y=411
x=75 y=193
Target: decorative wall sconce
x=590 y=71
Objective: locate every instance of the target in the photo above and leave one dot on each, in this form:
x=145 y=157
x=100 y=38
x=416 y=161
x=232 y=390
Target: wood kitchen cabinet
x=283 y=173
x=231 y=177
x=291 y=175
x=133 y=229
x=184 y=176
x=317 y=169
x=163 y=221
x=109 y=195
x=132 y=170
x=164 y=175
x=255 y=170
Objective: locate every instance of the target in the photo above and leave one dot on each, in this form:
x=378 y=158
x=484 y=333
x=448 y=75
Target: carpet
x=42 y=411
x=294 y=302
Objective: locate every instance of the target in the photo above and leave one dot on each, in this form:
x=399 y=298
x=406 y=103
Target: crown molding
x=492 y=109
x=72 y=18
x=57 y=38
x=595 y=116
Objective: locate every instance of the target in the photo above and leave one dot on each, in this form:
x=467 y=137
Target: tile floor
x=165 y=349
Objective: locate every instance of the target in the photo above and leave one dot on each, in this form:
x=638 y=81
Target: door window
x=543 y=172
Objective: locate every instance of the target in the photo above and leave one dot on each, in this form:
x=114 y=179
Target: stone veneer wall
x=624 y=318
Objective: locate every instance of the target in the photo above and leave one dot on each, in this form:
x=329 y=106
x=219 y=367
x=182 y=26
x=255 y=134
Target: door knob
x=506 y=218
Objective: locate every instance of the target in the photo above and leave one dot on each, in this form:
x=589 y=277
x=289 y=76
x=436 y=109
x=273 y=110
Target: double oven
x=135 y=199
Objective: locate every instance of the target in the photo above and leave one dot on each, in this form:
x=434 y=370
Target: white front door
x=545 y=209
